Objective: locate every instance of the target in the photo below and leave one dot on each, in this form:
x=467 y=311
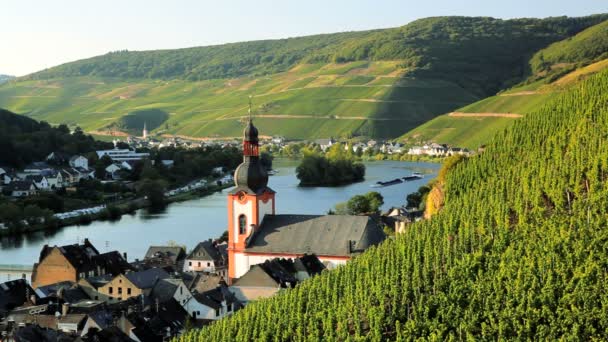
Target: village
x=77 y=293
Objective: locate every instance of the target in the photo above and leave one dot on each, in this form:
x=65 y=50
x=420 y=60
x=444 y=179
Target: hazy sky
x=38 y=34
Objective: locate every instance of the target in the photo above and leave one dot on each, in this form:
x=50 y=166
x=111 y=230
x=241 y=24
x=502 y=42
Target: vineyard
x=518 y=251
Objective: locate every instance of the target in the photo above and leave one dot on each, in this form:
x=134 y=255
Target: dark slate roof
x=108 y=334
x=85 y=257
x=146 y=279
x=164 y=289
x=20 y=185
x=309 y=264
x=175 y=253
x=35 y=178
x=48 y=290
x=336 y=235
x=206 y=251
x=13 y=294
x=214 y=298
x=256 y=277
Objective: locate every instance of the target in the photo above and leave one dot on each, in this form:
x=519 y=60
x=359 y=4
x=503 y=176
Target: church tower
x=248 y=203
x=145 y=132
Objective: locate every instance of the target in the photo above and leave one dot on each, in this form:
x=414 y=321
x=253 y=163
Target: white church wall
x=240 y=208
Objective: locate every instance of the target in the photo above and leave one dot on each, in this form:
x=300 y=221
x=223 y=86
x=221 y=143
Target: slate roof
x=146 y=279
x=256 y=277
x=164 y=289
x=175 y=253
x=85 y=257
x=13 y=294
x=48 y=290
x=35 y=178
x=309 y=264
x=108 y=334
x=214 y=298
x=206 y=251
x=20 y=185
x=335 y=235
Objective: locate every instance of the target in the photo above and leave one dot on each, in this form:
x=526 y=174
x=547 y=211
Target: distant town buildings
x=121 y=155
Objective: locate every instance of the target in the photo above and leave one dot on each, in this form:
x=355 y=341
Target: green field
x=378 y=83
x=334 y=100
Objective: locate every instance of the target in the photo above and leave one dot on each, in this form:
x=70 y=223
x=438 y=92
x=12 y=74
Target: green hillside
x=584 y=52
x=377 y=83
x=518 y=251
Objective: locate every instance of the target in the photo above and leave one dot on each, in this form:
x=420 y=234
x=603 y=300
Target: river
x=192 y=221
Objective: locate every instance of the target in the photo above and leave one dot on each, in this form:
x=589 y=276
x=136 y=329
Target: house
x=132 y=284
x=58 y=158
x=170 y=258
x=20 y=188
x=71 y=323
x=36 y=168
x=256 y=233
x=54 y=179
x=40 y=182
x=75 y=262
x=159 y=322
x=112 y=171
x=324 y=144
x=212 y=305
x=70 y=176
x=15 y=293
x=171 y=288
x=206 y=257
x=266 y=279
x=120 y=155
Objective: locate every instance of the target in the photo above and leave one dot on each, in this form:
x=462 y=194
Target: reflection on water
x=196 y=220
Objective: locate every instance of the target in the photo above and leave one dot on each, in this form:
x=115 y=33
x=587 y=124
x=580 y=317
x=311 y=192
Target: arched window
x=242 y=224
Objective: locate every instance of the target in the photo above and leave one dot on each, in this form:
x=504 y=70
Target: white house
x=207 y=256
x=112 y=170
x=55 y=179
x=168 y=288
x=211 y=305
x=40 y=182
x=79 y=162
x=21 y=188
x=122 y=154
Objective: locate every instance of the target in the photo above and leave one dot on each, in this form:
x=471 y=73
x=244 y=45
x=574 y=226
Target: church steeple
x=250 y=200
x=251 y=175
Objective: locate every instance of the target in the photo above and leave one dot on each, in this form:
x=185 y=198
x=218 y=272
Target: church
x=256 y=233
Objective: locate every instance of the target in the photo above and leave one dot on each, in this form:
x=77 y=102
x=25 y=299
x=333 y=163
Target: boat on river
x=413 y=176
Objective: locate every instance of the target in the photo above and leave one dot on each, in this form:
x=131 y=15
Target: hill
x=23 y=140
x=518 y=251
x=374 y=83
x=475 y=124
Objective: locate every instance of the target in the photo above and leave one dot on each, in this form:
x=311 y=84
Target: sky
x=39 y=34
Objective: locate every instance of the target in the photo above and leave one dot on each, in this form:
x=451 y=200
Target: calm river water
x=189 y=222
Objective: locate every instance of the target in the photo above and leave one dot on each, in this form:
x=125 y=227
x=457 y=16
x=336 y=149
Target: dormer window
x=242 y=224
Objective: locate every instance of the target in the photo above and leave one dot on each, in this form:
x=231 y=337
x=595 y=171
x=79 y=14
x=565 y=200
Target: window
x=128 y=290
x=120 y=290
x=189 y=263
x=208 y=264
x=242 y=224
x=120 y=281
x=110 y=290
x=181 y=290
x=217 y=312
x=199 y=264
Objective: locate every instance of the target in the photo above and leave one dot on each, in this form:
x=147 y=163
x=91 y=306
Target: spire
x=250 y=119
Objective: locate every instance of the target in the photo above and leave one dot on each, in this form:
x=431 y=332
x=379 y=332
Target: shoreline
x=107 y=215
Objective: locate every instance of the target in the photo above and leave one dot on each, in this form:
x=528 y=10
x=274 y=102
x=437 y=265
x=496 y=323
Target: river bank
x=112 y=212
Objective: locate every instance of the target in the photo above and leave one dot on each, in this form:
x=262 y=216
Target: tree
x=153 y=191
x=365 y=204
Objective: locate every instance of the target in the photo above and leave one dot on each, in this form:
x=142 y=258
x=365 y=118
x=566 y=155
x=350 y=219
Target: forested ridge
x=519 y=250
x=450 y=47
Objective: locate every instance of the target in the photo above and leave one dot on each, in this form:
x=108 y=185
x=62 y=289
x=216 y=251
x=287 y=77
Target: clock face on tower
x=241 y=196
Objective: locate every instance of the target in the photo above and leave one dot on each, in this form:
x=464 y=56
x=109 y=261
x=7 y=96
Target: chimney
x=65 y=308
x=124 y=255
x=86 y=241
